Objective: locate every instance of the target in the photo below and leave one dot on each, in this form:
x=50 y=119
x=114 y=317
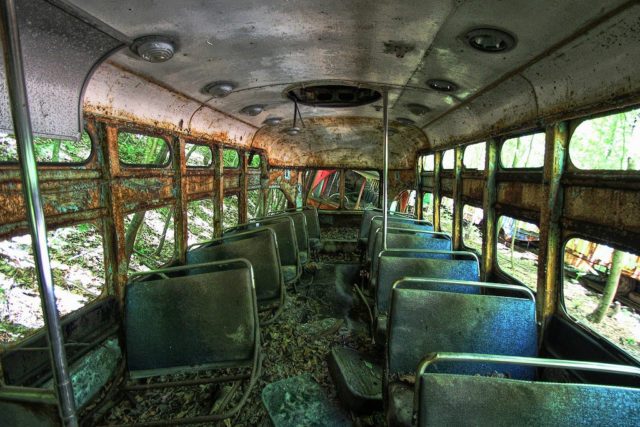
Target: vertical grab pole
x=385 y=168
x=35 y=215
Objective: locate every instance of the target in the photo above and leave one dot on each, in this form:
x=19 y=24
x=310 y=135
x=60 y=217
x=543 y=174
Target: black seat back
x=393 y=265
x=195 y=322
x=313 y=222
x=447 y=399
x=259 y=247
x=445 y=320
x=300 y=226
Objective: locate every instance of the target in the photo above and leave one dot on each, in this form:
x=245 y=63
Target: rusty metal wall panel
x=606 y=207
x=473 y=189
x=138 y=193
x=520 y=195
x=446 y=186
x=231 y=182
x=199 y=184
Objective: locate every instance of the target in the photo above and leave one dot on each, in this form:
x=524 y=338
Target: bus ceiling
x=300 y=80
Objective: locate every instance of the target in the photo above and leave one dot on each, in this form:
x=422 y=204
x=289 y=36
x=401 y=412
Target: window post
x=437 y=197
x=457 y=199
x=489 y=211
x=218 y=189
x=182 y=198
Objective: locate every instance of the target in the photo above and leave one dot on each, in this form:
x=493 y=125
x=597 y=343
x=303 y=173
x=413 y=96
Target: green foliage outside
x=230 y=158
x=230 y=211
x=474 y=156
x=523 y=152
x=48 y=150
x=200 y=221
x=255 y=161
x=154 y=243
x=611 y=142
x=197 y=155
x=138 y=149
x=254 y=204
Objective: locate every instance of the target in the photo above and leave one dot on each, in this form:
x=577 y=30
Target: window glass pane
x=254 y=161
x=361 y=189
x=518 y=257
x=77 y=264
x=427 y=207
x=137 y=149
x=325 y=189
x=523 y=152
x=404 y=202
x=276 y=201
x=230 y=211
x=448 y=160
x=230 y=158
x=48 y=150
x=610 y=142
x=198 y=155
x=154 y=243
x=254 y=203
x=446 y=215
x=474 y=155
x=472 y=227
x=592 y=271
x=200 y=221
x=427 y=163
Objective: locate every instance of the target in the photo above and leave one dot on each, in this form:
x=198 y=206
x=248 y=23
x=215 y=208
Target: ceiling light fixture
x=490 y=40
x=154 y=48
x=219 y=89
x=405 y=121
x=418 y=109
x=272 y=121
x=252 y=110
x=442 y=85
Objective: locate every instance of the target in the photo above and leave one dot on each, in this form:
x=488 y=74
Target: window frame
x=506 y=138
x=238 y=152
x=462 y=239
x=464 y=153
x=89 y=159
x=442 y=168
x=202 y=144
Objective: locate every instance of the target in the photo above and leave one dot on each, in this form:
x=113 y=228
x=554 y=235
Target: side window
x=472 y=218
x=426 y=163
x=77 y=265
x=48 y=150
x=523 y=152
x=276 y=201
x=230 y=158
x=361 y=189
x=253 y=160
x=198 y=155
x=200 y=221
x=448 y=160
x=254 y=203
x=427 y=206
x=325 y=189
x=611 y=142
x=230 y=211
x=474 y=155
x=446 y=215
x=150 y=236
x=518 y=250
x=136 y=149
x=601 y=291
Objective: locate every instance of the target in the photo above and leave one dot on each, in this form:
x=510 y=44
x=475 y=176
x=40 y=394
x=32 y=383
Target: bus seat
x=192 y=323
x=302 y=234
x=395 y=222
x=398 y=238
x=365 y=225
x=434 y=320
x=259 y=247
x=313 y=227
x=451 y=399
x=287 y=243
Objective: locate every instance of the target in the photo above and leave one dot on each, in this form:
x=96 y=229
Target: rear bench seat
x=432 y=316
x=462 y=400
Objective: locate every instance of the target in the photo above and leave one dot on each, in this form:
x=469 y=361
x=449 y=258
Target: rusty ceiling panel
x=119 y=94
x=350 y=142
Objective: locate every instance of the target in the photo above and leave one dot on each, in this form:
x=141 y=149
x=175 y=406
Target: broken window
x=150 y=238
x=230 y=214
x=474 y=156
x=518 y=250
x=136 y=149
x=48 y=150
x=198 y=155
x=472 y=218
x=522 y=152
x=200 y=221
x=230 y=158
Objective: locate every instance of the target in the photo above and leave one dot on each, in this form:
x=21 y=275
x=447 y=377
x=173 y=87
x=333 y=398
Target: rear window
x=361 y=189
x=230 y=158
x=198 y=155
x=48 y=150
x=474 y=156
x=601 y=291
x=136 y=149
x=607 y=143
x=325 y=189
x=518 y=250
x=525 y=151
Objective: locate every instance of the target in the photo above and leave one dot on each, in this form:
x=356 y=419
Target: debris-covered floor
x=315 y=319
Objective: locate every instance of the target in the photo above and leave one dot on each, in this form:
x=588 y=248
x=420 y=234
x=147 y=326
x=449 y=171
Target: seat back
x=447 y=399
x=400 y=238
x=313 y=222
x=192 y=322
x=300 y=227
x=444 y=320
x=259 y=247
x=368 y=215
x=393 y=265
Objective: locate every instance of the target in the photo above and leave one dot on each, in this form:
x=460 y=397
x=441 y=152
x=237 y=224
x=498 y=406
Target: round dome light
x=442 y=85
x=293 y=131
x=490 y=40
x=272 y=121
x=405 y=121
x=219 y=89
x=153 y=48
x=418 y=109
x=253 y=110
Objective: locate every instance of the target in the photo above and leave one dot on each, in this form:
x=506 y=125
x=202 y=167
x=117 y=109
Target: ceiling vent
x=333 y=95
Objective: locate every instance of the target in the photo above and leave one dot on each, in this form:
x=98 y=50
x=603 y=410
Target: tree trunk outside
x=609 y=292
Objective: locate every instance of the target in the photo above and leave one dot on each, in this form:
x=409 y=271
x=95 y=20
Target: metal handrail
x=221 y=239
x=501 y=286
x=429 y=251
x=417 y=231
x=192 y=266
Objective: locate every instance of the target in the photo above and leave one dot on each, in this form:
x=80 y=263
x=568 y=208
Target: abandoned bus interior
x=320 y=213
